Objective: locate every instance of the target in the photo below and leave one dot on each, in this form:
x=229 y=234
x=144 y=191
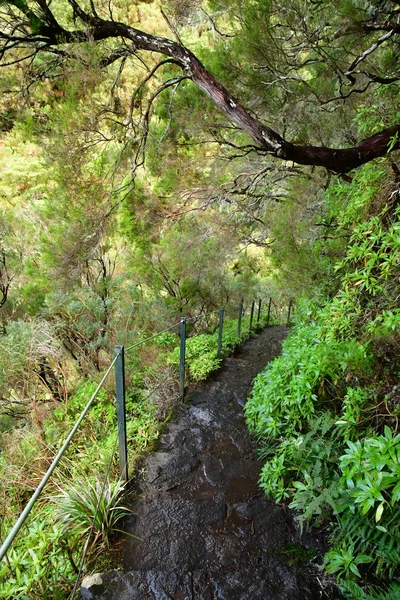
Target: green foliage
x=143 y=423
x=355 y=592
x=371 y=473
x=88 y=504
x=345 y=563
x=35 y=562
x=207 y=363
x=368 y=508
x=303 y=381
x=306 y=417
x=201 y=354
x=166 y=340
x=325 y=412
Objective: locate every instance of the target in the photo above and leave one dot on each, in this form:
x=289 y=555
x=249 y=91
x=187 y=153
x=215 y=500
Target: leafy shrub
x=383 y=592
x=205 y=364
x=36 y=560
x=305 y=379
x=88 y=503
x=368 y=510
x=166 y=340
x=326 y=411
x=371 y=473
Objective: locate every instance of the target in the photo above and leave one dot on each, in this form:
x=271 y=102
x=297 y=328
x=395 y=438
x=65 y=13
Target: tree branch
x=369 y=51
x=43 y=29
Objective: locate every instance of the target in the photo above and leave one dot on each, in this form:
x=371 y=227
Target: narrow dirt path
x=206 y=530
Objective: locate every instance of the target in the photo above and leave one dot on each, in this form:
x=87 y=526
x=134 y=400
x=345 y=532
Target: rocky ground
x=204 y=530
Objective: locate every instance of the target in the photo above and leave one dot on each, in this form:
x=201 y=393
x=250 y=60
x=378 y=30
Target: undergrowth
x=326 y=413
x=44 y=560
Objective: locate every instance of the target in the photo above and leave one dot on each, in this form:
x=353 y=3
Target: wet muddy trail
x=206 y=530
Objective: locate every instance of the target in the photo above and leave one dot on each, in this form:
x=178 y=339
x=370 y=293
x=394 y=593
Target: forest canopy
x=329 y=52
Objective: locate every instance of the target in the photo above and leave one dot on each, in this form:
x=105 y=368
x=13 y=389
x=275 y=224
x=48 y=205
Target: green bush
x=326 y=412
x=201 y=350
x=40 y=554
x=88 y=504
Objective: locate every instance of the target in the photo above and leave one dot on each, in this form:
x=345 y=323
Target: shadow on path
x=206 y=530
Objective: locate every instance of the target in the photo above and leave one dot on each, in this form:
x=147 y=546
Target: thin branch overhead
x=34 y=29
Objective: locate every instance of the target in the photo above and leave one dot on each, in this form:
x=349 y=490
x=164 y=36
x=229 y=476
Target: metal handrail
x=152 y=337
x=119 y=353
x=23 y=516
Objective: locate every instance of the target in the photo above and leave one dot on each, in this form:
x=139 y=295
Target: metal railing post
x=252 y=315
x=121 y=412
x=269 y=310
x=182 y=357
x=240 y=318
x=289 y=311
x=24 y=515
x=220 y=328
x=259 y=313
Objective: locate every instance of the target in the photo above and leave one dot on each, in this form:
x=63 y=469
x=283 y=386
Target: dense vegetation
x=128 y=198
x=327 y=411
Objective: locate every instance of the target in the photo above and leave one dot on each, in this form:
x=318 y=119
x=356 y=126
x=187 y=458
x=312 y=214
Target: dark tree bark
x=5 y=280
x=49 y=379
x=46 y=34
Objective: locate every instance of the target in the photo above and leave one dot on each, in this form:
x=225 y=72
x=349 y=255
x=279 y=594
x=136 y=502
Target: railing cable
x=155 y=389
x=198 y=317
x=151 y=337
x=21 y=520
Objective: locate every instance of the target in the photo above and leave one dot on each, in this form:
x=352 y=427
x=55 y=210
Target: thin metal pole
x=252 y=315
x=289 y=311
x=269 y=310
x=121 y=411
x=240 y=318
x=259 y=312
x=221 y=325
x=23 y=516
x=182 y=357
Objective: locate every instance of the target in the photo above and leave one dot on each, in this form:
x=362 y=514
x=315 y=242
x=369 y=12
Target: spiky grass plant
x=90 y=504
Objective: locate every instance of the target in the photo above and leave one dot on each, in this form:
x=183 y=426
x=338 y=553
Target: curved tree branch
x=44 y=29
x=370 y=50
x=140 y=154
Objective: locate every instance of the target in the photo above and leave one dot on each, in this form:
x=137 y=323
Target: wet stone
x=162 y=585
x=174 y=438
x=213 y=470
x=177 y=512
x=203 y=416
x=197 y=397
x=166 y=470
x=154 y=466
x=199 y=438
x=204 y=530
